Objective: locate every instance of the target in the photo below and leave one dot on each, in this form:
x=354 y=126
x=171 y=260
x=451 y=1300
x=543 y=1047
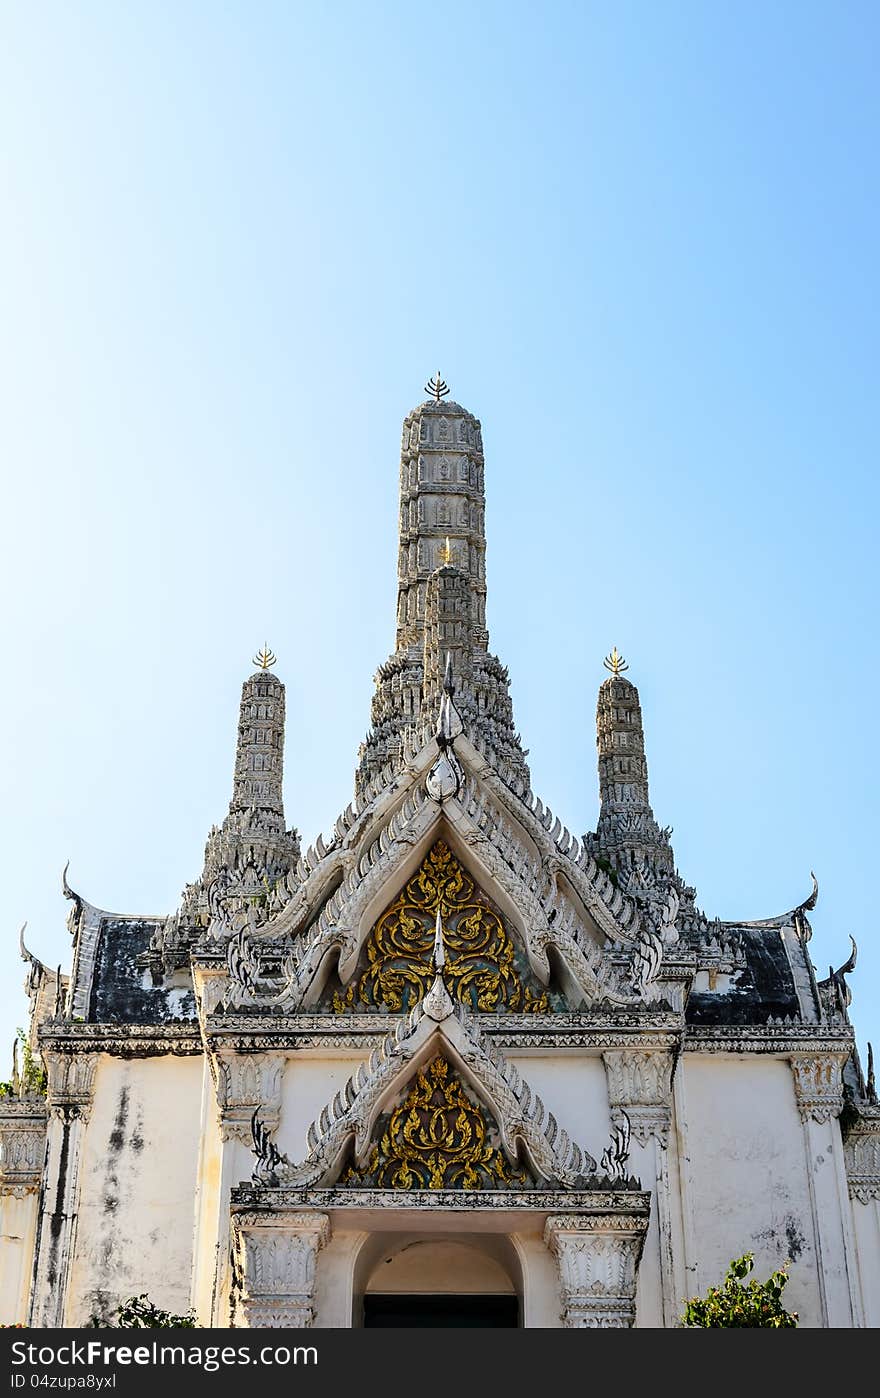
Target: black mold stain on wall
x=766 y=987
x=118 y=997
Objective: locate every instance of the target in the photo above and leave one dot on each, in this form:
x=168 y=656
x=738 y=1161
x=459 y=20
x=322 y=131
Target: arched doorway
x=447 y=1281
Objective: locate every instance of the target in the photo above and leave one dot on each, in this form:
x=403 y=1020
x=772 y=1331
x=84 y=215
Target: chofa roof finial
x=265 y=658
x=437 y=387
x=615 y=663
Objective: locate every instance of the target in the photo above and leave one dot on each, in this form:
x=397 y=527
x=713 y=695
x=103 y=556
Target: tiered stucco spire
x=251 y=851
x=259 y=755
x=441 y=593
x=627 y=834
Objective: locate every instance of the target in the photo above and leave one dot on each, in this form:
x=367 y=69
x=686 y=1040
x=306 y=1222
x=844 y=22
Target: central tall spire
x=442 y=515
x=441 y=593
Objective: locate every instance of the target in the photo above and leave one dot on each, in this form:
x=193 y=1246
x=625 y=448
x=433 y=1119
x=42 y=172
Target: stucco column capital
x=818 y=1084
x=70 y=1083
x=597 y=1256
x=640 y=1084
x=275 y=1264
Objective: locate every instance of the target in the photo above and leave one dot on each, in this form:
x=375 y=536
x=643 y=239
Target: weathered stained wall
x=866 y=1231
x=137 y=1185
x=18 y=1223
x=736 y=1173
x=745 y=1174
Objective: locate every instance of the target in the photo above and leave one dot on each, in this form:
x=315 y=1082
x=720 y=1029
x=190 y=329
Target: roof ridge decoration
x=796 y=916
x=835 y=996
x=505 y=826
x=549 y=917
x=438 y=1026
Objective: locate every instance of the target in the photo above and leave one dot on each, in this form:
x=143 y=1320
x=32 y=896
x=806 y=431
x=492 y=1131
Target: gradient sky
x=641 y=243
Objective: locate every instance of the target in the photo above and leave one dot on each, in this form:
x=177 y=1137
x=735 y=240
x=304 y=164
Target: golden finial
x=446 y=553
x=437 y=387
x=264 y=658
x=615 y=663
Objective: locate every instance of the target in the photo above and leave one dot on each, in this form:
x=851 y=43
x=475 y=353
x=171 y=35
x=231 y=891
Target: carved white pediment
x=437 y=1026
x=549 y=887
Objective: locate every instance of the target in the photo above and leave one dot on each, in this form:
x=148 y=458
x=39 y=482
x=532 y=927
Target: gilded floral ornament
x=436 y=1139
x=480 y=968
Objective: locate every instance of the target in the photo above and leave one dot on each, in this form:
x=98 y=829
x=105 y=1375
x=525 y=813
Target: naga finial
x=265 y=658
x=437 y=387
x=615 y=663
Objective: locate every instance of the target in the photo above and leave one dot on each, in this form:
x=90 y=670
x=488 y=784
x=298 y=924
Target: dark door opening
x=390 y=1311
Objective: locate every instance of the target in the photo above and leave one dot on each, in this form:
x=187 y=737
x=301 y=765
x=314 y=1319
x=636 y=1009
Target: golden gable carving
x=436 y=1139
x=480 y=966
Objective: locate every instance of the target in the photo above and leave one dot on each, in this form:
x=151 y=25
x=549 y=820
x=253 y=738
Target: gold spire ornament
x=615 y=663
x=264 y=658
x=446 y=553
x=437 y=388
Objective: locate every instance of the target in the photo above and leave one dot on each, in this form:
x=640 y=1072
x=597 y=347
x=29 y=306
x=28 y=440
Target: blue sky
x=640 y=242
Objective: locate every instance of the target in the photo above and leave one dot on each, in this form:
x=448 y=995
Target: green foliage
x=740 y=1303
x=140 y=1313
x=32 y=1076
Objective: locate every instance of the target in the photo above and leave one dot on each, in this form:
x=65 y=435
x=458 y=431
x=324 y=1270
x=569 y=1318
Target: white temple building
x=453 y=1065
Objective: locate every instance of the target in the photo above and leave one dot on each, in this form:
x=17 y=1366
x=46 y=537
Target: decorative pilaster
x=22 y=1156
x=597 y=1256
x=71 y=1084
x=818 y=1088
x=275 y=1263
x=640 y=1087
x=69 y=1097
x=861 y=1151
x=22 y=1145
x=818 y=1084
x=639 y=1084
x=246 y=1082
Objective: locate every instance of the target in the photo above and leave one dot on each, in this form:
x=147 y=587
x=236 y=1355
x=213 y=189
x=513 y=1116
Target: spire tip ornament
x=437 y=387
x=264 y=658
x=615 y=663
x=439 y=948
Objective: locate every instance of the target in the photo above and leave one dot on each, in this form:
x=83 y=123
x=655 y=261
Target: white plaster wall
x=574 y=1089
x=745 y=1177
x=137 y=1184
x=18 y=1223
x=542 y=1302
x=866 y=1230
x=309 y=1084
